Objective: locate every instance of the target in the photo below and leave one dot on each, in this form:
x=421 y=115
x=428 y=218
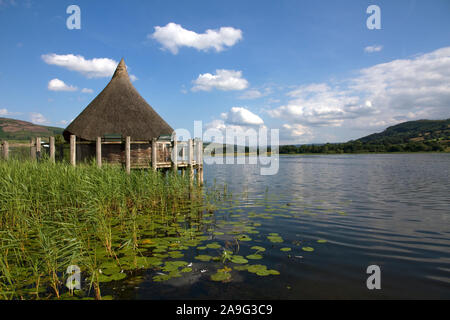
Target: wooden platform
x=155 y=154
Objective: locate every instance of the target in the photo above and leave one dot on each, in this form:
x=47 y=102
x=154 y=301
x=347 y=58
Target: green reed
x=55 y=215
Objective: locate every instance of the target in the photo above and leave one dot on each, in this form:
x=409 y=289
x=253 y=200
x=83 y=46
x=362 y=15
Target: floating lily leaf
x=254 y=256
x=203 y=257
x=238 y=259
x=213 y=245
x=244 y=237
x=308 y=249
x=221 y=276
x=285 y=249
x=275 y=239
x=258 y=248
x=321 y=241
x=186 y=269
x=201 y=248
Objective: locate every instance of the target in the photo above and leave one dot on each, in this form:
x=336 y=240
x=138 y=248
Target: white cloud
x=133 y=78
x=255 y=93
x=62 y=122
x=242 y=117
x=224 y=80
x=379 y=96
x=38 y=118
x=87 y=90
x=4 y=112
x=371 y=49
x=173 y=36
x=93 y=68
x=59 y=85
x=295 y=133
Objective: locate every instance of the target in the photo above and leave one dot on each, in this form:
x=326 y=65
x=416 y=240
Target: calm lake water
x=390 y=210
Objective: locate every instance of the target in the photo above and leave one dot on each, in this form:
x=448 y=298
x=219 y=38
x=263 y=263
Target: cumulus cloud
x=237 y=120
x=371 y=49
x=59 y=85
x=4 y=112
x=90 y=68
x=255 y=93
x=173 y=36
x=38 y=118
x=224 y=80
x=241 y=117
x=379 y=96
x=87 y=90
x=295 y=133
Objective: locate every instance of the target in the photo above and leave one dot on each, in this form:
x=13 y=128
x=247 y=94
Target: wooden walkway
x=165 y=154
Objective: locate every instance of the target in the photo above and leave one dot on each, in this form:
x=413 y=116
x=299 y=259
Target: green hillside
x=411 y=136
x=412 y=131
x=12 y=129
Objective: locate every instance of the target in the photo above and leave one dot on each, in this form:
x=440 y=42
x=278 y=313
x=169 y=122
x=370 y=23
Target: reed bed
x=53 y=216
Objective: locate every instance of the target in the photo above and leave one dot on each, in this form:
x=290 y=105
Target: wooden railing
x=175 y=155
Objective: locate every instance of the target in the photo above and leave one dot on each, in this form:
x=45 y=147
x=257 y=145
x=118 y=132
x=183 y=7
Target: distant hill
x=12 y=129
x=412 y=131
x=411 y=136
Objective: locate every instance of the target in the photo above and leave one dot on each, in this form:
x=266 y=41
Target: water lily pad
x=275 y=239
x=285 y=249
x=213 y=245
x=254 y=256
x=203 y=257
x=308 y=249
x=321 y=241
x=244 y=237
x=258 y=248
x=221 y=276
x=238 y=259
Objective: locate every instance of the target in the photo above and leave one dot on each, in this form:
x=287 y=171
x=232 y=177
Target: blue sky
x=309 y=68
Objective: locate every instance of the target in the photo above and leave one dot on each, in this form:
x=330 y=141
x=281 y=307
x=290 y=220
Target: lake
x=319 y=223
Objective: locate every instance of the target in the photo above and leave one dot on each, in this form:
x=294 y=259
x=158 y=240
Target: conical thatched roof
x=118 y=109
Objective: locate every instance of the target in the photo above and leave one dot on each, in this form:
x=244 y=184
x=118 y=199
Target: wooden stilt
x=38 y=148
x=73 y=145
x=154 y=154
x=174 y=153
x=98 y=151
x=5 y=150
x=52 y=149
x=191 y=160
x=128 y=154
x=33 y=149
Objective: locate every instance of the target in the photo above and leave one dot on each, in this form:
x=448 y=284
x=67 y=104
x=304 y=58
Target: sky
x=312 y=69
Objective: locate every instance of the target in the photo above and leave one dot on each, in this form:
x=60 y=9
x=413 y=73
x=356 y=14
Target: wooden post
x=73 y=145
x=201 y=162
x=191 y=159
x=175 y=154
x=32 y=149
x=128 y=154
x=5 y=150
x=154 y=155
x=98 y=152
x=52 y=149
x=183 y=146
x=38 y=148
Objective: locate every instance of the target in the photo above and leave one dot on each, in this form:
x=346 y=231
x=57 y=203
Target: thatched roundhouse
x=118 y=111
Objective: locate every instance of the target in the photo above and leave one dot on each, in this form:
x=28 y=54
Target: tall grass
x=55 y=215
